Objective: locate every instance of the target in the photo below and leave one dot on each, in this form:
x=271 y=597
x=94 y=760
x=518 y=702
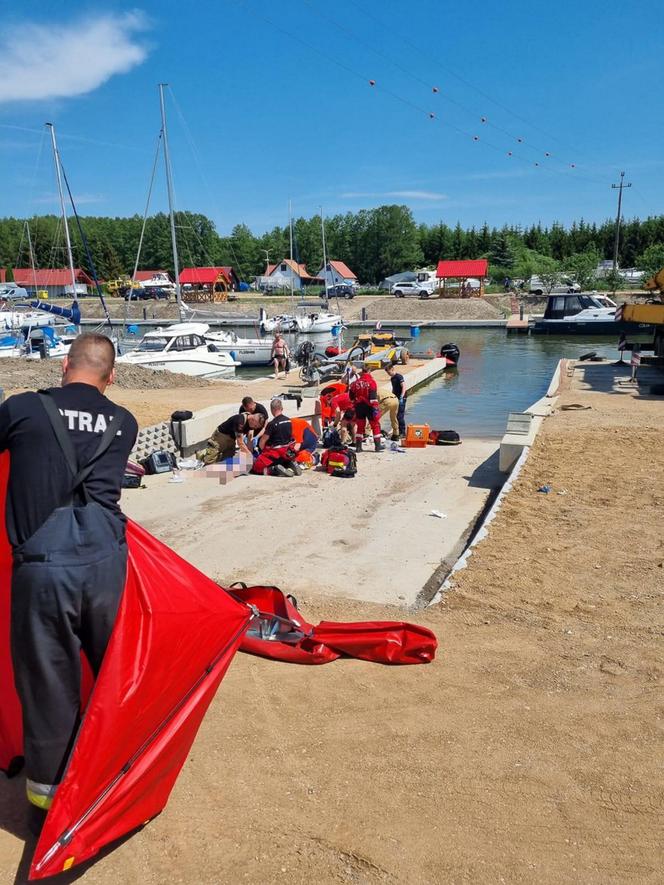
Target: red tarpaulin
x=173 y=640
x=282 y=634
x=175 y=635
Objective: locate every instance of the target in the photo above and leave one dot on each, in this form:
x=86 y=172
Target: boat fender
x=233 y=354
x=588 y=356
x=182 y=415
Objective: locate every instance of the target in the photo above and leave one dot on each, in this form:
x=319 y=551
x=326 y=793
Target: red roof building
x=206 y=276
x=462 y=269
x=337 y=273
x=55 y=281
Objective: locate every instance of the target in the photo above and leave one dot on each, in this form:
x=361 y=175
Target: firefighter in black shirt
x=68 y=449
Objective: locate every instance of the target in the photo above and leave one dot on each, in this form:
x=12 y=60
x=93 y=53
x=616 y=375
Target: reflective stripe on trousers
x=40 y=795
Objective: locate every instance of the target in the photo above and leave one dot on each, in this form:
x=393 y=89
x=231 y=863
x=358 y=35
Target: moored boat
x=583 y=313
x=182 y=348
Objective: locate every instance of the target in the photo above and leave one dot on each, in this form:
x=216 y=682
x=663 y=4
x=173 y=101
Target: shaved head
x=91 y=360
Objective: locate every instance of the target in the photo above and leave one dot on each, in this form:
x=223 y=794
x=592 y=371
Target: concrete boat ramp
x=372 y=537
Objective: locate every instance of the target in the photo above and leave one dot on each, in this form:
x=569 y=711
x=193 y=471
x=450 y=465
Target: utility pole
x=267 y=260
x=616 y=242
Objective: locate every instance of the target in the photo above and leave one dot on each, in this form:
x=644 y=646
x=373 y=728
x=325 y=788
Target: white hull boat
x=181 y=348
x=247 y=351
x=320 y=321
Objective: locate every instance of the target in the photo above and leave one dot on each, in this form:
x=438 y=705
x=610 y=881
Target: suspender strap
x=79 y=474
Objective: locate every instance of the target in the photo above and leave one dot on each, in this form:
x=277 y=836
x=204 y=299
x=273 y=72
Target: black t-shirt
x=39 y=479
x=236 y=424
x=259 y=410
x=279 y=432
x=397 y=381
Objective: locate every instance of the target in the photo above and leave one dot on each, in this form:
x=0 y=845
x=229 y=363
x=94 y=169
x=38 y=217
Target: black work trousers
x=61 y=605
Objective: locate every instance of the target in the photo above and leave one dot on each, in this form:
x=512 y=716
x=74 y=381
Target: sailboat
x=181 y=347
x=319 y=321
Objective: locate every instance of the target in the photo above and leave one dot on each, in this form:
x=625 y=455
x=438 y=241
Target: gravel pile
x=19 y=373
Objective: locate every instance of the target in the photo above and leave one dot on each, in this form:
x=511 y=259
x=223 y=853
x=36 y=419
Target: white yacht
x=182 y=348
x=584 y=313
x=319 y=321
x=247 y=351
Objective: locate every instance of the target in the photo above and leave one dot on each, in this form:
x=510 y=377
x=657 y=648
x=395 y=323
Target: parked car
x=340 y=291
x=400 y=290
x=565 y=286
x=147 y=294
x=12 y=292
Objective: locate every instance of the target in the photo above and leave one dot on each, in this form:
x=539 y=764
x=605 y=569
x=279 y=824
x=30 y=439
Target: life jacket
x=326 y=396
x=364 y=389
x=339 y=462
x=304 y=434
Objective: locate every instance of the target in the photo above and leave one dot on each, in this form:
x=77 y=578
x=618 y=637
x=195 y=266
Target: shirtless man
x=280 y=355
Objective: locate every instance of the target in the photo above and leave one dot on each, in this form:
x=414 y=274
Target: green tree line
x=374 y=243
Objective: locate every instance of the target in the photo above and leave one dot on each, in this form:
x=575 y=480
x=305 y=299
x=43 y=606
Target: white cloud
x=404 y=195
x=62 y=61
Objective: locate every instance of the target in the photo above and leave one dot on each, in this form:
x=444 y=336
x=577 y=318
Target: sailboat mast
x=322 y=227
x=58 y=175
x=290 y=235
x=32 y=258
x=169 y=187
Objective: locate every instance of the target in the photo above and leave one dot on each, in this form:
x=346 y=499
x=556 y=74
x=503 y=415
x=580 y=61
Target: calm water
x=497 y=374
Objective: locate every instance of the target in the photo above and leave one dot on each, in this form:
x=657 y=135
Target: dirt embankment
x=26 y=374
x=416 y=310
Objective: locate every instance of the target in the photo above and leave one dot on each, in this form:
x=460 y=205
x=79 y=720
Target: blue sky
x=271 y=101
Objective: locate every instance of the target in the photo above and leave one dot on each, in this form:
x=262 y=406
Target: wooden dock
x=518 y=324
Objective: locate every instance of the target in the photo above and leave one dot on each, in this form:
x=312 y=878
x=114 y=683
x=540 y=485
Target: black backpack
x=331 y=438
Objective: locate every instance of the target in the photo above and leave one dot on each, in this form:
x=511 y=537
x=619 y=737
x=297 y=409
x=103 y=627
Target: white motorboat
x=585 y=313
x=159 y=281
x=320 y=321
x=182 y=348
x=247 y=351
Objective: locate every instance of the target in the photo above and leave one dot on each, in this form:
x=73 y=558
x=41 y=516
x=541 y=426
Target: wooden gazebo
x=461 y=271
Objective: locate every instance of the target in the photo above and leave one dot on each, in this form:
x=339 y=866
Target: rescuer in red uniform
x=364 y=394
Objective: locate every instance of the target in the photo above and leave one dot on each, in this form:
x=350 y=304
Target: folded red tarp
x=282 y=634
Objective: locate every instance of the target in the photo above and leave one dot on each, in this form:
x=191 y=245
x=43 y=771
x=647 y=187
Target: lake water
x=497 y=374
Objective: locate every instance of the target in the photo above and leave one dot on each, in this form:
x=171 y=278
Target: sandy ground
x=528 y=752
x=382 y=544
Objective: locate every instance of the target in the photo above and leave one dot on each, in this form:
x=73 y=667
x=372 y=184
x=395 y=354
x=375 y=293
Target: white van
x=564 y=286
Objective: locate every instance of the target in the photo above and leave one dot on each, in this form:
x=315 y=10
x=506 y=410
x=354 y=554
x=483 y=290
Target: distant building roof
x=299 y=270
x=143 y=275
x=471 y=268
x=203 y=276
x=54 y=277
x=342 y=269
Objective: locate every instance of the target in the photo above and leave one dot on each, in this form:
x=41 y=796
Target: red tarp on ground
x=175 y=635
x=288 y=637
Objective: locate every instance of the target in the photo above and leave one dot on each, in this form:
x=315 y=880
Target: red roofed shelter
x=208 y=283
x=461 y=271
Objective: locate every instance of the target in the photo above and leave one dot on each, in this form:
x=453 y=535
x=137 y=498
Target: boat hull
x=196 y=367
x=601 y=327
